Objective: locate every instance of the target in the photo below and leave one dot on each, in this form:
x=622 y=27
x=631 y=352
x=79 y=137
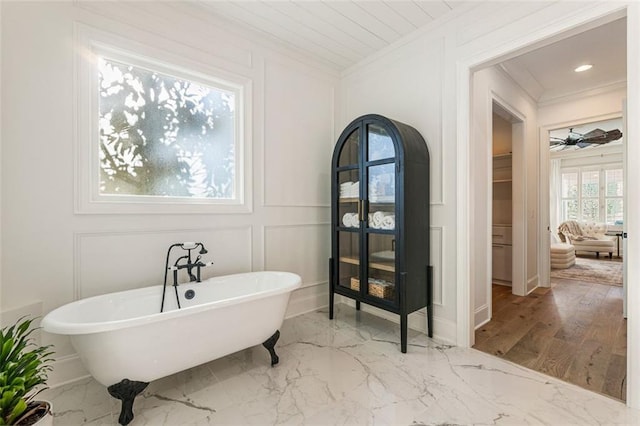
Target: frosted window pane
x=613 y=179
x=614 y=211
x=570 y=210
x=590 y=210
x=590 y=183
x=569 y=185
x=164 y=136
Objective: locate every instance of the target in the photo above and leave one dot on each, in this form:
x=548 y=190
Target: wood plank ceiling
x=341 y=32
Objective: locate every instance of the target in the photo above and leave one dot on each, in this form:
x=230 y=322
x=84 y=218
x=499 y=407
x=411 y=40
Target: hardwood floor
x=573 y=331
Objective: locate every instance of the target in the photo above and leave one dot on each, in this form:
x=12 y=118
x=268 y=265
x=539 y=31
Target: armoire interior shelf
x=380 y=219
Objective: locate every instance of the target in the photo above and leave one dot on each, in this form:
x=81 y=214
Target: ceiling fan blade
x=601 y=136
x=595 y=133
x=596 y=141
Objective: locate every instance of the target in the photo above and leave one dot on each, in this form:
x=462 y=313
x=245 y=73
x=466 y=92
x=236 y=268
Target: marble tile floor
x=348 y=371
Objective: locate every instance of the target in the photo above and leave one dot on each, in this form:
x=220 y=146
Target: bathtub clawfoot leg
x=270 y=344
x=126 y=391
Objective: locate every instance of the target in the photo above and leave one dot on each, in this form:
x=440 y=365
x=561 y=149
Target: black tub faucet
x=184 y=262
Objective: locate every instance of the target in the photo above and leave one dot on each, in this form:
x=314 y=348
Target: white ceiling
x=548 y=72
x=338 y=32
x=343 y=32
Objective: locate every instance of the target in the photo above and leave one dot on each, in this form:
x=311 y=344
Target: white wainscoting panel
x=437 y=248
x=308 y=299
x=302 y=249
x=116 y=261
x=296 y=159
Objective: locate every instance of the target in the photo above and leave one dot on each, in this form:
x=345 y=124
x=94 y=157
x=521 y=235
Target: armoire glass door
x=349 y=213
x=380 y=172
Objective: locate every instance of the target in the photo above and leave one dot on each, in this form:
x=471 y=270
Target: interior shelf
x=349 y=200
x=383 y=266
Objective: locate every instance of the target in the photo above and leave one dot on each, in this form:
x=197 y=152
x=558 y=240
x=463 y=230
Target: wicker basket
x=355 y=284
x=381 y=290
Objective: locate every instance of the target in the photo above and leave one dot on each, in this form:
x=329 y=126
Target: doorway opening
x=571 y=329
x=507 y=137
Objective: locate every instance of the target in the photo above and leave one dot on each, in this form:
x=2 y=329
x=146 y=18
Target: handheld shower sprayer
x=190 y=245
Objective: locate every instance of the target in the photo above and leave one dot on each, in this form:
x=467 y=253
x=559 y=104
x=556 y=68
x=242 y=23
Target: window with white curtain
x=592 y=194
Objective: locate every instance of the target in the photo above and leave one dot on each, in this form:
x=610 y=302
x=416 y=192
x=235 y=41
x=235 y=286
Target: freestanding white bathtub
x=123 y=337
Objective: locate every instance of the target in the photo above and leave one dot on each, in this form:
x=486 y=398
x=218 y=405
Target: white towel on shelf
x=355 y=190
x=350 y=220
x=378 y=218
x=346 y=219
x=346 y=189
x=389 y=222
x=350 y=190
x=355 y=222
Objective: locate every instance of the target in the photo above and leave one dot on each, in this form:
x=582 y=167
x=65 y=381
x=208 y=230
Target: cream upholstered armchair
x=588 y=237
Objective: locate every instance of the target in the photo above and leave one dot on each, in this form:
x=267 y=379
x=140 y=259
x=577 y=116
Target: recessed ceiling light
x=583 y=68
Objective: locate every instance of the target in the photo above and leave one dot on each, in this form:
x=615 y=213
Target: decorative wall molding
x=289 y=262
x=131 y=254
x=576 y=96
x=437 y=236
x=440 y=163
x=309 y=298
x=301 y=178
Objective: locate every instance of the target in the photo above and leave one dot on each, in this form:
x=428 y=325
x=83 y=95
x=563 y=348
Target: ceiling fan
x=596 y=136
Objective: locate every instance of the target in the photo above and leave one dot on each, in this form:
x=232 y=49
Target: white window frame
x=602 y=213
x=92 y=44
x=563 y=198
x=612 y=197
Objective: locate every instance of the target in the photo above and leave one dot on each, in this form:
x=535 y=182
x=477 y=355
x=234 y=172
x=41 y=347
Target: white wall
x=52 y=256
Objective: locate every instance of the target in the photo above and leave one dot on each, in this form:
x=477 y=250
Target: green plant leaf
x=17 y=411
x=23 y=369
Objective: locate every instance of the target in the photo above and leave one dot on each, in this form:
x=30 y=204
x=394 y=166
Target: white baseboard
x=481 y=316
x=532 y=283
x=308 y=299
